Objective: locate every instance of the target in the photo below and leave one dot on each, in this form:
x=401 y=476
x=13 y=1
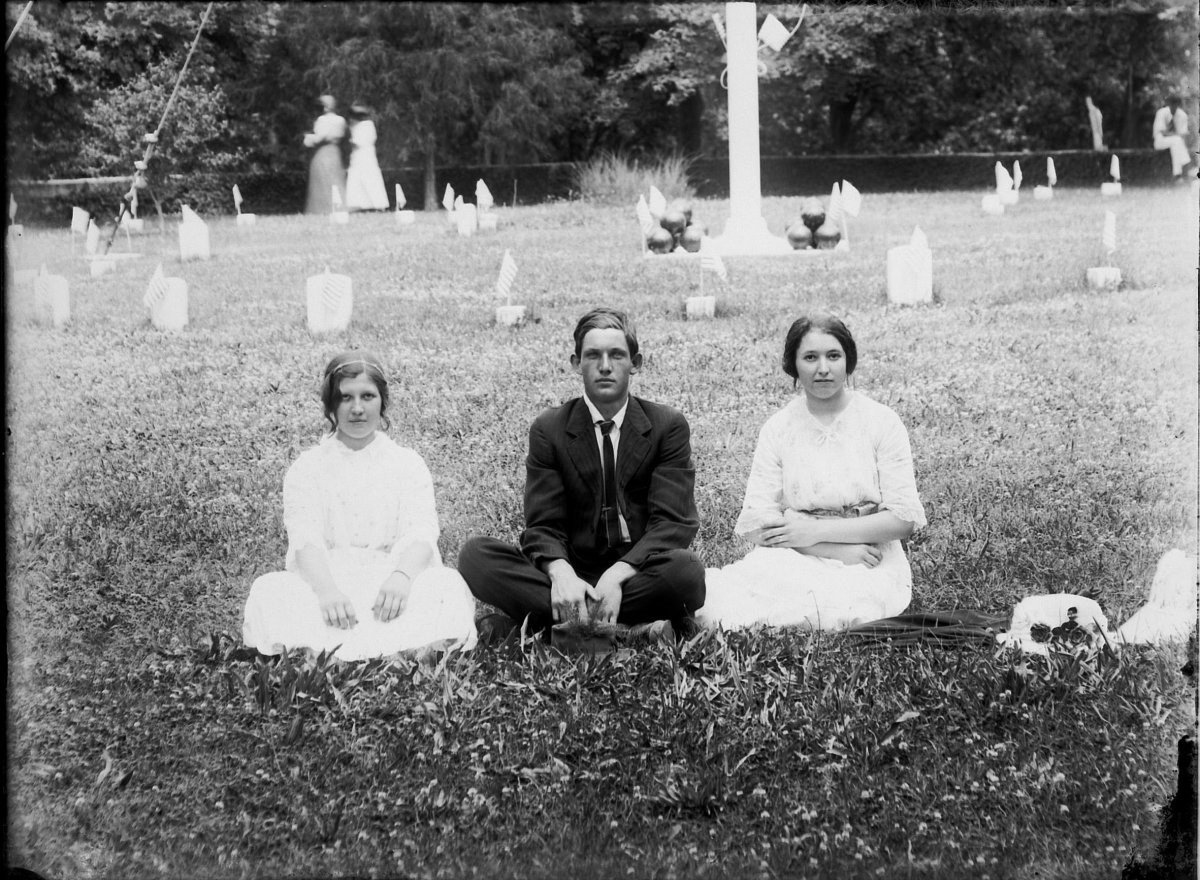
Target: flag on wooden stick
x=1114 y=168
x=645 y=220
x=851 y=198
x=508 y=272
x=400 y=200
x=448 y=198
x=658 y=202
x=12 y=208
x=156 y=290
x=1051 y=175
x=483 y=197
x=133 y=203
x=237 y=198
x=1110 y=231
x=1016 y=174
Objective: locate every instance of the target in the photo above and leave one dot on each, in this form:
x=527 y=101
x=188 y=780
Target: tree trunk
x=431 y=199
x=840 y=130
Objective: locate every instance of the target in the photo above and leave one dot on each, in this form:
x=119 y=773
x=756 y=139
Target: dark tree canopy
x=514 y=83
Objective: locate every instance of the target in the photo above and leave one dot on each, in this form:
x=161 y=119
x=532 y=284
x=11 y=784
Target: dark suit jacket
x=563 y=485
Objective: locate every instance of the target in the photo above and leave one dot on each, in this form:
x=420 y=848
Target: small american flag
x=1016 y=174
x=713 y=263
x=1051 y=175
x=851 y=198
x=237 y=198
x=448 y=198
x=508 y=272
x=12 y=209
x=1114 y=168
x=400 y=202
x=133 y=205
x=156 y=290
x=483 y=197
x=333 y=290
x=644 y=219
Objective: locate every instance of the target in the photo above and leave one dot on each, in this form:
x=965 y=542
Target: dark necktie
x=609 y=512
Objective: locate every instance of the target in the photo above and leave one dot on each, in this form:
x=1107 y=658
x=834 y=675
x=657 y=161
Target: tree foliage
x=514 y=83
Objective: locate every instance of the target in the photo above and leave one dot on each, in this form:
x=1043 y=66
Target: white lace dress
x=365 y=507
x=802 y=465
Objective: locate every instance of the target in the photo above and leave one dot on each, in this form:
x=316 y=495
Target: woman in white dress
x=831 y=494
x=325 y=171
x=365 y=189
x=363 y=574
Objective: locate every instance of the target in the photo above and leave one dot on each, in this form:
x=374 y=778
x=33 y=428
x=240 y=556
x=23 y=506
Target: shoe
x=645 y=635
x=686 y=628
x=493 y=629
x=586 y=638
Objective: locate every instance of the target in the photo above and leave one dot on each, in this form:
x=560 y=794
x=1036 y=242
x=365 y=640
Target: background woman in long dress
x=325 y=170
x=363 y=574
x=830 y=496
x=365 y=189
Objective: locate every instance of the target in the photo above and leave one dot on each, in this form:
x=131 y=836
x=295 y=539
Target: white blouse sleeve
x=417 y=514
x=897 y=479
x=764 y=488
x=303 y=514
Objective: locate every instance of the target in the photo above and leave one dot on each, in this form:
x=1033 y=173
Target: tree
x=456 y=82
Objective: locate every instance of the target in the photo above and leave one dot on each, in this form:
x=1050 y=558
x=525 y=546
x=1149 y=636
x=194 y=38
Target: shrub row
x=49 y=203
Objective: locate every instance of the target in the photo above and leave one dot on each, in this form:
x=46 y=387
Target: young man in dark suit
x=609 y=506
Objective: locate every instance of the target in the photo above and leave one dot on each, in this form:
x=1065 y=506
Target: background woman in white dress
x=325 y=169
x=363 y=573
x=365 y=189
x=831 y=494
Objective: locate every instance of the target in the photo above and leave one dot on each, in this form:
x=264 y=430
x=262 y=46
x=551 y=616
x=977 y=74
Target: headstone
x=330 y=302
x=52 y=299
x=1104 y=277
x=1043 y=193
x=488 y=222
x=1110 y=188
x=465 y=217
x=405 y=217
x=910 y=272
x=102 y=266
x=510 y=316
x=193 y=237
x=171 y=312
x=701 y=307
x=992 y=204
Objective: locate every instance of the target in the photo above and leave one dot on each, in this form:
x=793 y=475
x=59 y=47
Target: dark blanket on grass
x=943 y=628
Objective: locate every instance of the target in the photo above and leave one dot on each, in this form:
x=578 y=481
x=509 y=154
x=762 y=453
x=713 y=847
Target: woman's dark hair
x=606 y=319
x=347 y=365
x=824 y=324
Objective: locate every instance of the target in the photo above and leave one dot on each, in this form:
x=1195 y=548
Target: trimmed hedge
x=49 y=203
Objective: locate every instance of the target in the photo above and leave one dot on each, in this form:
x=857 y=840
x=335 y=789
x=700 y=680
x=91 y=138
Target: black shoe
x=645 y=635
x=686 y=628
x=494 y=629
x=586 y=638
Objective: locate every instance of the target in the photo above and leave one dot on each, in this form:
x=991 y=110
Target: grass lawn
x=1054 y=433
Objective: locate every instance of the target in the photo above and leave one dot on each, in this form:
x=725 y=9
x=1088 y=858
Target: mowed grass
x=1054 y=432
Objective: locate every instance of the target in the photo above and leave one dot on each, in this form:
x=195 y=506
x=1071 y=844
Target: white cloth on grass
x=802 y=465
x=365 y=508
